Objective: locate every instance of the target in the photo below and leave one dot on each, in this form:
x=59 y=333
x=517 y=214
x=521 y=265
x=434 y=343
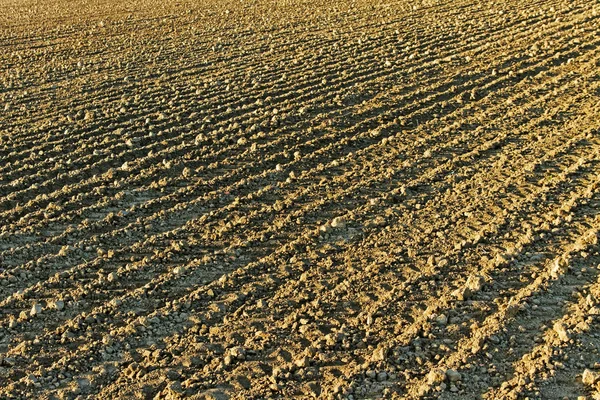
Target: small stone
x=189 y=362
x=475 y=283
x=441 y=319
x=302 y=362
x=313 y=388
x=558 y=267
x=116 y=302
x=462 y=293
x=261 y=303
x=382 y=376
x=175 y=388
x=495 y=339
x=453 y=375
x=83 y=385
x=589 y=377
x=214 y=394
x=325 y=228
x=560 y=330
x=435 y=376
x=338 y=223
x=180 y=270
x=148 y=391
x=238 y=352
x=379 y=354
x=36 y=309
x=59 y=305
x=173 y=375
x=242 y=382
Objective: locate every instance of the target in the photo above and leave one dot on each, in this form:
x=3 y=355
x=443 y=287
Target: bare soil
x=299 y=199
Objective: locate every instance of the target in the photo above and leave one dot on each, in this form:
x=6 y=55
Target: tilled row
x=109 y=222
x=328 y=84
x=101 y=280
x=249 y=312
x=144 y=166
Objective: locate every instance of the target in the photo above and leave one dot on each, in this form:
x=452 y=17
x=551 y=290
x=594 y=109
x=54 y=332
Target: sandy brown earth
x=299 y=199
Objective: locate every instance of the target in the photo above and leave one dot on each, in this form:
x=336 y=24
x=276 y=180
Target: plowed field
x=299 y=199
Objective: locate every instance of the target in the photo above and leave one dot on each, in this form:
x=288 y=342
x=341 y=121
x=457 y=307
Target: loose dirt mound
x=299 y=199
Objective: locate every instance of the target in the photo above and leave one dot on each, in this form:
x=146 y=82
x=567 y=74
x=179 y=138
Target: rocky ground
x=299 y=199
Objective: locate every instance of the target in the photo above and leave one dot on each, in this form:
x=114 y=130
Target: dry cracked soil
x=298 y=199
